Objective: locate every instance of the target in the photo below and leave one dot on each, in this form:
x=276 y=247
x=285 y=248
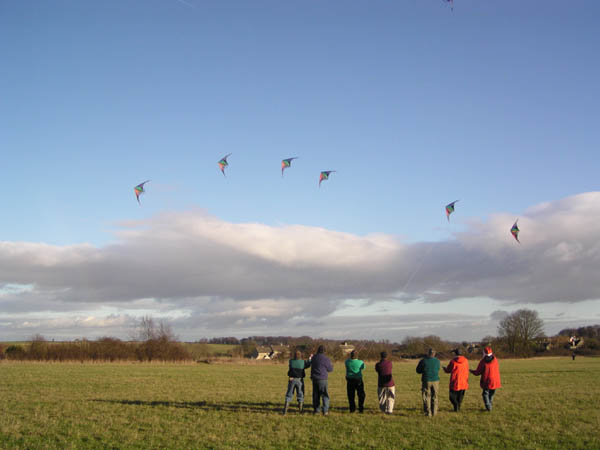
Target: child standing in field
x=458 y=368
x=489 y=371
x=296 y=376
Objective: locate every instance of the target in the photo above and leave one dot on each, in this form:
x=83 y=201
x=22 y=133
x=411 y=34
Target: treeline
x=106 y=349
x=592 y=331
x=154 y=341
x=520 y=335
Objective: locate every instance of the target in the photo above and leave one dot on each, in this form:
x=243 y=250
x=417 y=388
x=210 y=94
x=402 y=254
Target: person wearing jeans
x=296 y=376
x=320 y=367
x=489 y=371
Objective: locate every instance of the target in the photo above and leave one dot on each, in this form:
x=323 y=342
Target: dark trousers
x=355 y=386
x=488 y=398
x=456 y=398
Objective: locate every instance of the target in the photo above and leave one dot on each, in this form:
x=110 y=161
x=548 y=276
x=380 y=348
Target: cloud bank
x=211 y=273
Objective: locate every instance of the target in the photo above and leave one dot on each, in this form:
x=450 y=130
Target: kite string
x=418 y=269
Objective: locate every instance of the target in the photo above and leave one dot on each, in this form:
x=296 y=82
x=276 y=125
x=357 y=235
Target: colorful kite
x=139 y=190
x=450 y=209
x=324 y=176
x=223 y=163
x=515 y=231
x=285 y=163
x=451 y=4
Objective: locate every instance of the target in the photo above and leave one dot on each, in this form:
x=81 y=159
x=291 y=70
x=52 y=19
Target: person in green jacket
x=429 y=368
x=354 y=382
x=296 y=374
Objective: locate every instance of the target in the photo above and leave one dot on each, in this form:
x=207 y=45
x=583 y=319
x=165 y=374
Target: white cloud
x=209 y=271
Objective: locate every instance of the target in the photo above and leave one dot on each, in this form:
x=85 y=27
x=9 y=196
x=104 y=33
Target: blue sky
x=494 y=104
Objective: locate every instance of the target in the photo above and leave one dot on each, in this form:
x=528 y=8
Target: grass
x=197 y=350
x=544 y=403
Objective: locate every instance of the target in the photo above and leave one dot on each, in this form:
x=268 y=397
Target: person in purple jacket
x=320 y=367
x=386 y=389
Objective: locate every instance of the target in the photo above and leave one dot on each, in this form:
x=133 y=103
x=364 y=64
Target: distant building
x=270 y=352
x=346 y=348
x=261 y=352
x=279 y=351
x=575 y=341
x=474 y=348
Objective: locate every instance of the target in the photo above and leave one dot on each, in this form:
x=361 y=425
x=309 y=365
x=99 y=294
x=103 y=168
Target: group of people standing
x=428 y=367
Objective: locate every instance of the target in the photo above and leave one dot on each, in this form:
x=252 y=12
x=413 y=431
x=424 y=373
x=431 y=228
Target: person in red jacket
x=458 y=368
x=489 y=371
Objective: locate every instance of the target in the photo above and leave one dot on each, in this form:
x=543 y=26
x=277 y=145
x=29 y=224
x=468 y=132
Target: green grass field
x=544 y=403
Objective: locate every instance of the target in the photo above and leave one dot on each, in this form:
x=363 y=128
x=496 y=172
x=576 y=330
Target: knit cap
x=488 y=351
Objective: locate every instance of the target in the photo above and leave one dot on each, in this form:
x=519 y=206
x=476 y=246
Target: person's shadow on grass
x=240 y=406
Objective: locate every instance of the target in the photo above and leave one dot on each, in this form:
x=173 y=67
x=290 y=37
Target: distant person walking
x=354 y=382
x=320 y=367
x=429 y=368
x=296 y=374
x=386 y=389
x=458 y=368
x=489 y=371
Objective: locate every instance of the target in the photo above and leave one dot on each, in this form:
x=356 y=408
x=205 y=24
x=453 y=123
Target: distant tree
x=520 y=329
x=157 y=342
x=38 y=350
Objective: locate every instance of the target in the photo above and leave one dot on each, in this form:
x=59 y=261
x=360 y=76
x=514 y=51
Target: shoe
x=300 y=407
x=326 y=413
x=285 y=408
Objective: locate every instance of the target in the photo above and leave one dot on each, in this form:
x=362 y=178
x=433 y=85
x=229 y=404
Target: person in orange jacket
x=489 y=371
x=458 y=368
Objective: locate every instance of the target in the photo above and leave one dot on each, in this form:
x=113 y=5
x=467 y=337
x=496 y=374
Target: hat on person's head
x=383 y=355
x=488 y=351
x=457 y=351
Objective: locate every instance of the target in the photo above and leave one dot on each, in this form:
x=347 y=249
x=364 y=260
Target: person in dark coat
x=320 y=367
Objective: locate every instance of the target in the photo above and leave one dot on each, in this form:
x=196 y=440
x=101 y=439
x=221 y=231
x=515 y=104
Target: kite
x=450 y=209
x=451 y=4
x=324 y=176
x=139 y=190
x=285 y=163
x=515 y=231
x=223 y=163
